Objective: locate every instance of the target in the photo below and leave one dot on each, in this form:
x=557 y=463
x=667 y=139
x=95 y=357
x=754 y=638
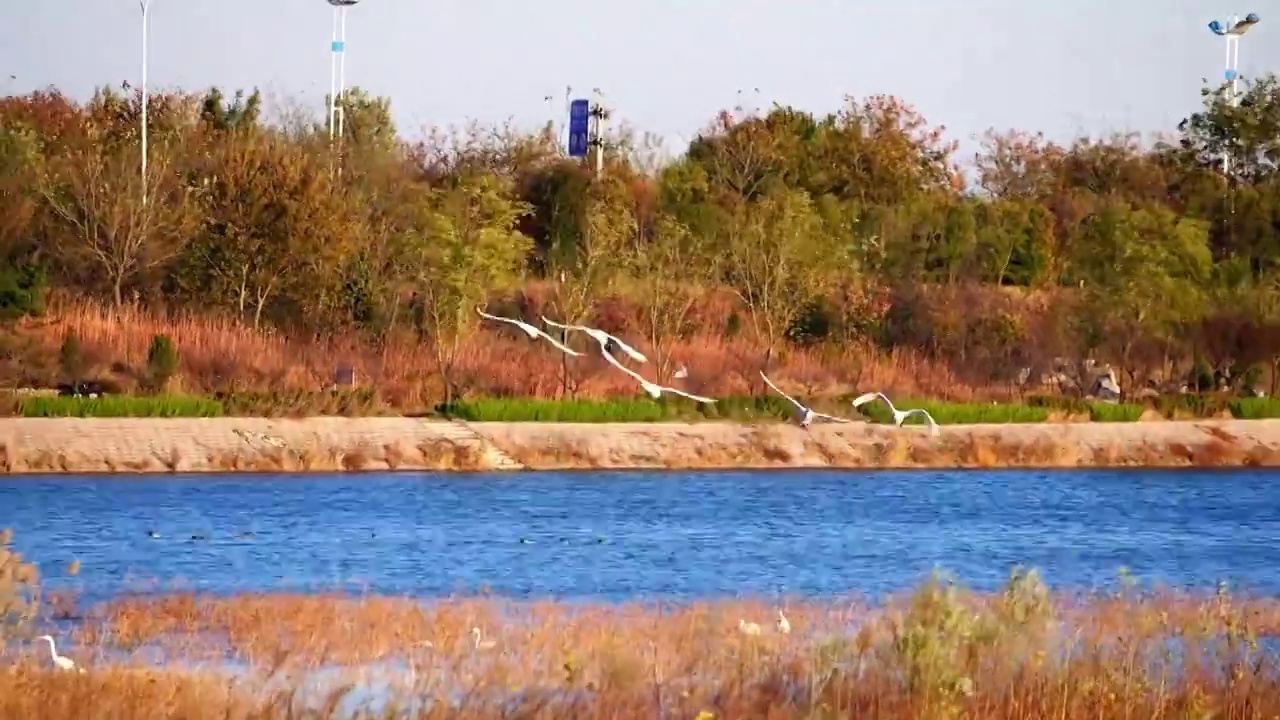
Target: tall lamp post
x=338 y=64
x=144 y=4
x=1233 y=32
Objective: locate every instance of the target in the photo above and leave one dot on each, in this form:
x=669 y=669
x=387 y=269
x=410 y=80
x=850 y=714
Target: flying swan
x=601 y=337
x=898 y=415
x=807 y=415
x=533 y=332
x=655 y=391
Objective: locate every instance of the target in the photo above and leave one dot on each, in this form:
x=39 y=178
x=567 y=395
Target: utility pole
x=144 y=4
x=599 y=114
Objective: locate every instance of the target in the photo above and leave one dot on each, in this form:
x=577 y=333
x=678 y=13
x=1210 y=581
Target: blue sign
x=579 y=127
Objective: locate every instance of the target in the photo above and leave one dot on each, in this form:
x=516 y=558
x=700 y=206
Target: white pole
x=144 y=4
x=333 y=72
x=342 y=72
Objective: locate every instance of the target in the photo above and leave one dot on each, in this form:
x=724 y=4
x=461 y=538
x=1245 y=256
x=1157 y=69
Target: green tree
x=1143 y=273
x=778 y=256
x=469 y=247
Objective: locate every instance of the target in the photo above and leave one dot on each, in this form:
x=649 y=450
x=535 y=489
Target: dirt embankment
x=354 y=444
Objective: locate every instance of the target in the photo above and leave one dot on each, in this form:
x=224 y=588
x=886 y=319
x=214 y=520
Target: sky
x=665 y=66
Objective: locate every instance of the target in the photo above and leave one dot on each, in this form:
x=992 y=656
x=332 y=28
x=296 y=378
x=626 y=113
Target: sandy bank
x=320 y=444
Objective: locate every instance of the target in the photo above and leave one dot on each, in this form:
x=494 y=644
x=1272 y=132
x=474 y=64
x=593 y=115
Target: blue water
x=617 y=536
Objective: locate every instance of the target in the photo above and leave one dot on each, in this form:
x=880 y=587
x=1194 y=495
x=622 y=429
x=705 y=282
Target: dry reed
x=938 y=652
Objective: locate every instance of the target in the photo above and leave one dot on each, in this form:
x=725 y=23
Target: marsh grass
x=1255 y=408
x=1115 y=412
x=120 y=406
x=941 y=651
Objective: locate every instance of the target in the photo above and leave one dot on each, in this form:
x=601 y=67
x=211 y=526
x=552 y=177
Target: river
x=645 y=535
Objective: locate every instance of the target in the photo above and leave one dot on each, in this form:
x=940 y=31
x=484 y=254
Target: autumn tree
x=272 y=222
x=669 y=275
x=107 y=220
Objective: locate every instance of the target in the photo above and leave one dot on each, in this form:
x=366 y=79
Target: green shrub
x=119 y=406
x=1255 y=408
x=1199 y=405
x=569 y=410
x=1117 y=412
x=356 y=402
x=162 y=361
x=1060 y=403
x=961 y=413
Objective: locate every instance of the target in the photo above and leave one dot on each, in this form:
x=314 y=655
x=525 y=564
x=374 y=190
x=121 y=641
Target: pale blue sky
x=665 y=65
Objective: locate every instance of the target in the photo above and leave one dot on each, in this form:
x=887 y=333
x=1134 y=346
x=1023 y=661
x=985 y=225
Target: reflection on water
x=616 y=536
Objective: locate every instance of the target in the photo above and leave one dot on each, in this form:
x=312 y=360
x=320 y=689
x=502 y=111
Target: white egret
x=748 y=628
x=533 y=332
x=784 y=625
x=62 y=663
x=655 y=391
x=481 y=644
x=601 y=337
x=681 y=374
x=807 y=414
x=898 y=415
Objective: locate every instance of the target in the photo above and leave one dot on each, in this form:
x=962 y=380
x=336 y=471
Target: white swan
x=533 y=332
x=807 y=414
x=479 y=643
x=655 y=391
x=784 y=625
x=898 y=415
x=601 y=337
x=62 y=663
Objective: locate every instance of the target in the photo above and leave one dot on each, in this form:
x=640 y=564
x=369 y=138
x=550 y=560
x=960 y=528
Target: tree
x=270 y=212
x=468 y=247
x=670 y=275
x=1246 y=130
x=586 y=267
x=96 y=194
x=778 y=256
x=1143 y=272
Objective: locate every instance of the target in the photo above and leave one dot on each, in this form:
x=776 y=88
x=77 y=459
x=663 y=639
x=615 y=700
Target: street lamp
x=338 y=63
x=144 y=4
x=1233 y=32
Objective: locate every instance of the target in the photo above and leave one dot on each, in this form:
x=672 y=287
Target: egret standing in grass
x=748 y=628
x=481 y=644
x=533 y=332
x=601 y=337
x=899 y=416
x=654 y=390
x=60 y=662
x=784 y=625
x=807 y=414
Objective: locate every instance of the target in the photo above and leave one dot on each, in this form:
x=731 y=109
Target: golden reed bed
x=938 y=653
x=356 y=444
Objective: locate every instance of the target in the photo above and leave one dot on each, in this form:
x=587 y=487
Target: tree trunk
x=117 y=290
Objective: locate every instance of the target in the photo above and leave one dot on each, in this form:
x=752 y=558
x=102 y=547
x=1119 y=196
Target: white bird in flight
x=807 y=414
x=898 y=415
x=655 y=391
x=62 y=663
x=601 y=337
x=533 y=332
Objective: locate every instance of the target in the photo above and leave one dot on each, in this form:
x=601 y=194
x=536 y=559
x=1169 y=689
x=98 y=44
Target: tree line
x=860 y=225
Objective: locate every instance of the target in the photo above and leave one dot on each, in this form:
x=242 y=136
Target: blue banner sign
x=579 y=127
